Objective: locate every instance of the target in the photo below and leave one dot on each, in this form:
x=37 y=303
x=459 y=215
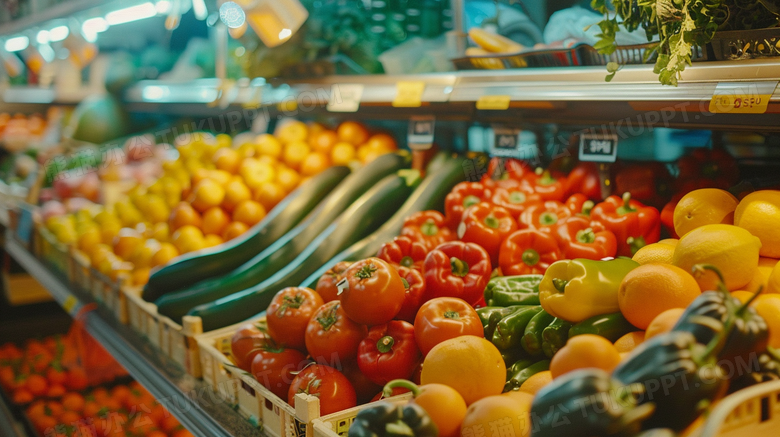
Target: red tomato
x=326 y=285
x=245 y=344
x=396 y=391
x=375 y=292
x=330 y=332
x=444 y=318
x=389 y=352
x=332 y=388
x=414 y=285
x=289 y=313
x=364 y=388
x=274 y=368
x=487 y=225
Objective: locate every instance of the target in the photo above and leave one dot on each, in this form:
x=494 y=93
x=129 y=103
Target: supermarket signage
x=507 y=144
x=742 y=97
x=345 y=97
x=421 y=132
x=598 y=147
x=409 y=94
x=493 y=103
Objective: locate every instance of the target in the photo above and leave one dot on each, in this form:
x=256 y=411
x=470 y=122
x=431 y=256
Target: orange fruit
x=73 y=402
x=343 y=153
x=249 y=212
x=288 y=179
x=742 y=296
x=759 y=214
x=156 y=209
x=268 y=145
x=323 y=141
x=382 y=142
x=367 y=154
x=269 y=195
x=651 y=289
x=140 y=276
x=315 y=128
x=290 y=131
x=109 y=230
x=227 y=159
x=207 y=194
x=449 y=360
x=584 y=351
x=163 y=256
x=161 y=232
x=519 y=395
x=664 y=322
x=215 y=220
x=768 y=307
x=142 y=256
x=352 y=132
x=247 y=150
x=188 y=239
x=704 y=207
x=234 y=230
x=733 y=250
x=660 y=252
x=498 y=412
x=630 y=341
x=213 y=240
x=126 y=242
x=256 y=172
x=314 y=163
x=445 y=406
x=236 y=192
x=773 y=282
x=37 y=385
x=295 y=153
x=183 y=214
x=537 y=382
x=89 y=239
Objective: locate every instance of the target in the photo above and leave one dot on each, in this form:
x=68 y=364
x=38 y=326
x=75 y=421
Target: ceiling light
x=163 y=7
x=59 y=33
x=42 y=37
x=133 y=13
x=199 y=8
x=17 y=43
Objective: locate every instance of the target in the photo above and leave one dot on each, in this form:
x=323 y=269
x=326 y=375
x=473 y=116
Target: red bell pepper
x=487 y=225
x=461 y=197
x=544 y=215
x=389 y=352
x=579 y=237
x=404 y=251
x=584 y=179
x=505 y=169
x=430 y=227
x=579 y=204
x=633 y=223
x=648 y=182
x=516 y=199
x=548 y=186
x=528 y=252
x=667 y=215
x=415 y=291
x=457 y=269
x=717 y=167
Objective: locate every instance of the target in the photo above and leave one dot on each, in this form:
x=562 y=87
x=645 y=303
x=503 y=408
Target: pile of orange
x=213 y=192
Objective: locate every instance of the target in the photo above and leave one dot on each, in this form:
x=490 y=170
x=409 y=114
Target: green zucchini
x=284 y=250
x=197 y=266
x=363 y=217
x=429 y=195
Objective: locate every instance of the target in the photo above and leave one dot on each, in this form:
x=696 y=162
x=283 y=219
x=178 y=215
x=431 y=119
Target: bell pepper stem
x=406 y=283
x=747 y=304
x=560 y=284
x=401 y=383
x=635 y=415
x=587 y=207
x=459 y=267
x=548 y=218
x=470 y=200
x=517 y=197
x=398 y=429
x=626 y=207
x=407 y=261
x=429 y=228
x=700 y=269
x=636 y=243
x=491 y=222
x=586 y=236
x=385 y=344
x=531 y=257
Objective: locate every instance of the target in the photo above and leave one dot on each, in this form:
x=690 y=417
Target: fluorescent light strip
x=133 y=13
x=163 y=7
x=199 y=7
x=43 y=37
x=59 y=33
x=17 y=44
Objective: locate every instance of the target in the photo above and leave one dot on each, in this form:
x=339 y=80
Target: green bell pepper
x=387 y=420
x=490 y=316
x=513 y=290
x=510 y=329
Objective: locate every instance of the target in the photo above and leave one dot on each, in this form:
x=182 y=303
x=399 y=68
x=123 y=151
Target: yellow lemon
x=291 y=131
x=658 y=253
x=762 y=274
x=759 y=214
x=704 y=207
x=268 y=145
x=730 y=248
x=773 y=282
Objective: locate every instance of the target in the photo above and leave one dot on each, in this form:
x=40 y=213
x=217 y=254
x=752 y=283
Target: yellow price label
x=409 y=94
x=287 y=106
x=742 y=98
x=493 y=103
x=69 y=304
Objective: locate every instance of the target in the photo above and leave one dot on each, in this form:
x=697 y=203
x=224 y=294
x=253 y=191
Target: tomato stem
x=530 y=257
x=429 y=228
x=459 y=267
x=329 y=319
x=366 y=272
x=294 y=302
x=385 y=344
x=401 y=383
x=451 y=315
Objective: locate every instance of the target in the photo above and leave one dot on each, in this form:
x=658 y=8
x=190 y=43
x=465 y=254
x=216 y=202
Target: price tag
x=493 y=103
x=287 y=106
x=421 y=132
x=342 y=286
x=69 y=304
x=513 y=143
x=345 y=97
x=598 y=148
x=409 y=94
x=742 y=97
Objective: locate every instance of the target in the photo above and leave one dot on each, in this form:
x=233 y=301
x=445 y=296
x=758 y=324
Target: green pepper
x=609 y=326
x=517 y=366
x=513 y=290
x=532 y=338
x=384 y=419
x=510 y=329
x=679 y=375
x=758 y=369
x=490 y=316
x=750 y=332
x=575 y=290
x=511 y=356
x=586 y=403
x=555 y=336
x=521 y=374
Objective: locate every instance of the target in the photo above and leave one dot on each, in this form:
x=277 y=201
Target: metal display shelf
x=8 y=423
x=63 y=9
x=188 y=399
